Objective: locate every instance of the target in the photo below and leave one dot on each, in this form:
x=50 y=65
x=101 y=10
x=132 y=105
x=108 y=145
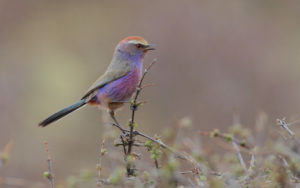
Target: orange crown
x=134 y=39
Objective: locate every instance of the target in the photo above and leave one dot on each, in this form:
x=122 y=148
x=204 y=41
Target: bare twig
x=236 y=147
x=294 y=123
x=99 y=167
x=216 y=133
x=284 y=125
x=159 y=142
x=123 y=144
x=252 y=161
x=156 y=164
x=162 y=144
x=147 y=85
x=250 y=172
x=134 y=144
x=187 y=172
x=133 y=107
x=49 y=174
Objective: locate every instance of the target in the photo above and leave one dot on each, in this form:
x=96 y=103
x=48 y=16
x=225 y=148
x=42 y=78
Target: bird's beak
x=150 y=47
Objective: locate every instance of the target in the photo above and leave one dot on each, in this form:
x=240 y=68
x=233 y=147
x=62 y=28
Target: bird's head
x=134 y=46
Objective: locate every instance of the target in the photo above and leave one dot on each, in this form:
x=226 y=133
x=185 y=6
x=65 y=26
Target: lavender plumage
x=117 y=84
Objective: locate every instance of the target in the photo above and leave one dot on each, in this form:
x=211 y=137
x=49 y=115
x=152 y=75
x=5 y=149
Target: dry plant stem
x=187 y=172
x=134 y=106
x=154 y=140
x=236 y=147
x=130 y=142
x=163 y=145
x=250 y=172
x=51 y=177
x=223 y=136
x=156 y=164
x=99 y=167
x=284 y=125
x=294 y=122
x=135 y=132
x=123 y=144
x=252 y=162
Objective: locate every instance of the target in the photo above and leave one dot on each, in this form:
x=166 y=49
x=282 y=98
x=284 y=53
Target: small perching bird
x=117 y=84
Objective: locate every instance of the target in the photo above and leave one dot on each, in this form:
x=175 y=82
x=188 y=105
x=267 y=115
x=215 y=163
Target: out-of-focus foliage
x=225 y=161
x=237 y=160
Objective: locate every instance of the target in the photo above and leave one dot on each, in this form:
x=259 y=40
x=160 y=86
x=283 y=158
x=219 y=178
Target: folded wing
x=106 y=78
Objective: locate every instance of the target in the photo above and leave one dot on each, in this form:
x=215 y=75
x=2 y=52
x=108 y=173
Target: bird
x=118 y=83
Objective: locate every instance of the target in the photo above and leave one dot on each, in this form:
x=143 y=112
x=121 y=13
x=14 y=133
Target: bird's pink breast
x=120 y=89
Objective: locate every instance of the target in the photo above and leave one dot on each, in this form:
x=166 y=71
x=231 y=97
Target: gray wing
x=106 y=78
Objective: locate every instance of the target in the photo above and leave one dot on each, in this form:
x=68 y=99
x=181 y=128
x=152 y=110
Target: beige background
x=214 y=58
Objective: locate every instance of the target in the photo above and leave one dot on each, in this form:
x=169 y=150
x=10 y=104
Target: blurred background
x=215 y=59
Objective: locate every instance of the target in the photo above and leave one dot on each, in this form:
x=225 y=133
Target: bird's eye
x=138 y=45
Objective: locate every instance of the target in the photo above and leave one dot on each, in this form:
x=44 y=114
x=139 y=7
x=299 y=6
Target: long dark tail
x=62 y=113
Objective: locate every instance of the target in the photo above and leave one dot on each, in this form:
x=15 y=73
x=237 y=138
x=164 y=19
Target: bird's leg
x=125 y=132
x=116 y=123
